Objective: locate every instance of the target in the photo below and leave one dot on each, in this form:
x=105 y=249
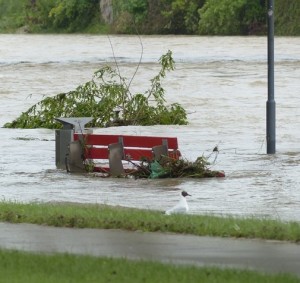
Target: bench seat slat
x=129 y=141
x=96 y=153
x=103 y=153
x=144 y=141
x=135 y=154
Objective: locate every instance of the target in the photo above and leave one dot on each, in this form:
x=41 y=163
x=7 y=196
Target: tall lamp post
x=271 y=105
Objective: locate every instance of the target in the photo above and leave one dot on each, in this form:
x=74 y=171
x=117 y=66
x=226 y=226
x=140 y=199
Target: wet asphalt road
x=266 y=256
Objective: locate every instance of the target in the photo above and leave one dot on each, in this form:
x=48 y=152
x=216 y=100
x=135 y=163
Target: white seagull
x=181 y=206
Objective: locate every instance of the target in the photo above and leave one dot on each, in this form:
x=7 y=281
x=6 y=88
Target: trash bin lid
x=76 y=123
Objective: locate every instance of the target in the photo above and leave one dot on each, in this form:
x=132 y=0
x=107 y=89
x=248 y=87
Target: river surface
x=220 y=81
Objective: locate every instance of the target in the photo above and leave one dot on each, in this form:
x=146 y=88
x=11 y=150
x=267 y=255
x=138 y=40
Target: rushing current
x=220 y=81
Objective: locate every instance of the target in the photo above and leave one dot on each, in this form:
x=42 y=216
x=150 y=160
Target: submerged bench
x=118 y=148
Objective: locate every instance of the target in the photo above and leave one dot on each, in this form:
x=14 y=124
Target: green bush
x=287 y=17
x=182 y=15
x=227 y=17
x=60 y=15
x=11 y=15
x=254 y=17
x=129 y=14
x=73 y=15
x=37 y=15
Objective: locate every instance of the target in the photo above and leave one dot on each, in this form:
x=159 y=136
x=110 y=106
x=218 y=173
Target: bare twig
x=127 y=91
x=115 y=59
x=141 y=56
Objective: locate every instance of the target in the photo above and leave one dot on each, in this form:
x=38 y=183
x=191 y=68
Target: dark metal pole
x=271 y=105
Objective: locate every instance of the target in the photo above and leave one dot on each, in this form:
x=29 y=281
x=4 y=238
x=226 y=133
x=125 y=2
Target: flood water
x=220 y=81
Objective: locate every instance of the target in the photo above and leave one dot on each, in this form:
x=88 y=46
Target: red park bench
x=118 y=148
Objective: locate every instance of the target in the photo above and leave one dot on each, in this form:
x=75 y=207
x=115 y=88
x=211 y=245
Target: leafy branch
x=101 y=96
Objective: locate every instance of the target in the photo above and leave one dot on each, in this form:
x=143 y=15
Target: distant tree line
x=198 y=17
x=204 y=17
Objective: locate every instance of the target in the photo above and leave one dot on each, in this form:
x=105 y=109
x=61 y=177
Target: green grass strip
x=59 y=268
x=111 y=217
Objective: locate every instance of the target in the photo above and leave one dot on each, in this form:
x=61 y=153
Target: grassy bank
x=58 y=268
x=107 y=217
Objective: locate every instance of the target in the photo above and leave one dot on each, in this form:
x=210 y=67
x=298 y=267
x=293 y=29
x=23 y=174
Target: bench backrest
x=135 y=147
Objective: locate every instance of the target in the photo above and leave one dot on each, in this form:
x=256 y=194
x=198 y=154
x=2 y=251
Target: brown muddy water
x=221 y=81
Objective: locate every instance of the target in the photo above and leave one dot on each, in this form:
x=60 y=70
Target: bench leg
x=74 y=162
x=115 y=159
x=159 y=152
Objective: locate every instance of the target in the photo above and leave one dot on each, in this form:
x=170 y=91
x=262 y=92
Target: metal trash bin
x=64 y=136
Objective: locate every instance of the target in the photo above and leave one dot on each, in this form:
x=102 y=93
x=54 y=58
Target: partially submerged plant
x=169 y=167
x=107 y=98
x=182 y=168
